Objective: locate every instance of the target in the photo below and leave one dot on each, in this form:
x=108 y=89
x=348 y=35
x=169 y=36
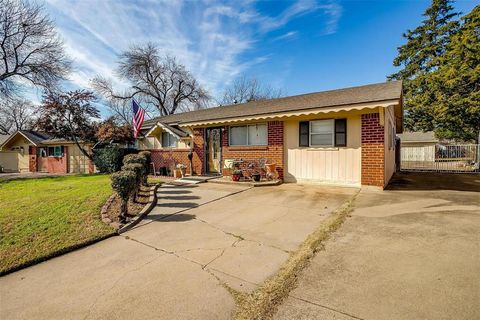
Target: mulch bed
x=134 y=207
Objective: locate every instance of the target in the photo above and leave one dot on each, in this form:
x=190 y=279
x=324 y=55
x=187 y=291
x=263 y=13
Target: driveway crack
x=121 y=277
x=329 y=308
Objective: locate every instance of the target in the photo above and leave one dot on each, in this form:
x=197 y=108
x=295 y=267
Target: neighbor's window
x=323 y=133
x=249 y=135
x=56 y=151
x=169 y=140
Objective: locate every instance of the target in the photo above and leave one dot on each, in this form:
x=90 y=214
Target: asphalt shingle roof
x=363 y=94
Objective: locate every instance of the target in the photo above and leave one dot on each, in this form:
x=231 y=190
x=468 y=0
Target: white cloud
x=211 y=38
x=286 y=36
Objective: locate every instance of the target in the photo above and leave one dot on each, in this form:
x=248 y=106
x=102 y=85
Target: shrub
x=148 y=162
x=138 y=159
x=108 y=159
x=123 y=182
x=138 y=170
x=134 y=158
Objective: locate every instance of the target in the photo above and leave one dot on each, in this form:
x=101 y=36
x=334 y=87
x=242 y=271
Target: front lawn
x=40 y=217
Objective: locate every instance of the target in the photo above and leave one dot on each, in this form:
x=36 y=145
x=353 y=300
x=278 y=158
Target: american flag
x=138 y=117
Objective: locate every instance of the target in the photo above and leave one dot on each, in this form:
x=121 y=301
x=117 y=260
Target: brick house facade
x=337 y=137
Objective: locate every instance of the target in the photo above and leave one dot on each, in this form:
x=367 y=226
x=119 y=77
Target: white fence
x=441 y=158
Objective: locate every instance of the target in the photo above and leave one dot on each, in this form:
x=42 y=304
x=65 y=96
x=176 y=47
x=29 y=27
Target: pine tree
x=419 y=58
x=455 y=85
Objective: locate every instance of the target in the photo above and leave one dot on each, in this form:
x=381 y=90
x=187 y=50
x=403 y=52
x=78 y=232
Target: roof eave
x=306 y=111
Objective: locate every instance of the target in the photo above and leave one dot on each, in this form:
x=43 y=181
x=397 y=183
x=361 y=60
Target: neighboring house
x=32 y=151
x=344 y=136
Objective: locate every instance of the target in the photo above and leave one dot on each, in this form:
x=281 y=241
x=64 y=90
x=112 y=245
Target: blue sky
x=299 y=46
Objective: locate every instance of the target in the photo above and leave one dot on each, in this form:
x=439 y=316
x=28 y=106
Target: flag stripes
x=138 y=118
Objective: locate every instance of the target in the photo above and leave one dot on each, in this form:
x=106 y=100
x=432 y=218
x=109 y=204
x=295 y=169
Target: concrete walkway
x=412 y=252
x=177 y=263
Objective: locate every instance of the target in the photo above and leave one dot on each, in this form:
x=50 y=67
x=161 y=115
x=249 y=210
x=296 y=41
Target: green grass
x=45 y=216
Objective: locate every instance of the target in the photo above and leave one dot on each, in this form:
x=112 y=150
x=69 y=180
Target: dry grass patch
x=262 y=303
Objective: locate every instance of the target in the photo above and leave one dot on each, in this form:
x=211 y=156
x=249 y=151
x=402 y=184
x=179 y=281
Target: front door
x=213 y=149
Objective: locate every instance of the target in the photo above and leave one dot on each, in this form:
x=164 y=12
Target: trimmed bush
x=138 y=170
x=138 y=159
x=108 y=159
x=134 y=158
x=148 y=162
x=124 y=184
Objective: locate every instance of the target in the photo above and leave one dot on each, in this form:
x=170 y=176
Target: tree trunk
x=123 y=210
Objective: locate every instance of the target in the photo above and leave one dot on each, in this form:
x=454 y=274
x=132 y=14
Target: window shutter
x=304 y=133
x=62 y=151
x=340 y=132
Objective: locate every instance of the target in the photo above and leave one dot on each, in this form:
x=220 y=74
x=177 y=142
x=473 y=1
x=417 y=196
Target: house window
x=169 y=140
x=323 y=133
x=249 y=135
x=42 y=152
x=56 y=151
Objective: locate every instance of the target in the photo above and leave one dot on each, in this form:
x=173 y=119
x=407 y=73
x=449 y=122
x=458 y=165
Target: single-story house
x=33 y=151
x=344 y=136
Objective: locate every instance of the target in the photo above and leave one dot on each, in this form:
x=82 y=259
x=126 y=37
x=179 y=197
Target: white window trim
x=246 y=125
x=332 y=121
x=169 y=138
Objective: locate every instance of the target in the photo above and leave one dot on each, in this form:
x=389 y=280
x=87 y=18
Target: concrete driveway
x=178 y=263
x=412 y=252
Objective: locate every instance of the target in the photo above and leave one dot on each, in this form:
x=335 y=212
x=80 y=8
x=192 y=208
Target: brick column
x=373 y=151
x=198 y=150
x=32 y=159
x=275 y=145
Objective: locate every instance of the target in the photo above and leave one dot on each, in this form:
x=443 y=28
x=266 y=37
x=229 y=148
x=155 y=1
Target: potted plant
x=236 y=174
x=256 y=176
x=182 y=168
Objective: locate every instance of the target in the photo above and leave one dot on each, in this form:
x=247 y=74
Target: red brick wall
x=373 y=150
x=169 y=158
x=57 y=164
x=198 y=151
x=273 y=152
x=32 y=158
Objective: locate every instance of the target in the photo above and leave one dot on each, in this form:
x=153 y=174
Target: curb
x=152 y=202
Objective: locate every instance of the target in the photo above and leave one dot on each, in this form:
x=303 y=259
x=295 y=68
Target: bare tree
x=15 y=114
x=31 y=50
x=246 y=89
x=158 y=80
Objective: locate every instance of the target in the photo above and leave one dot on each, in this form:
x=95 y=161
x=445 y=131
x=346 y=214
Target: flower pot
x=177 y=173
x=183 y=172
x=236 y=177
x=256 y=177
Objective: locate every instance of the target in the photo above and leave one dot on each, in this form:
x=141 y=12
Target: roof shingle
x=391 y=90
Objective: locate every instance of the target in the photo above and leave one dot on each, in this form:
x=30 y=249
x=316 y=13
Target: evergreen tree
x=419 y=58
x=455 y=85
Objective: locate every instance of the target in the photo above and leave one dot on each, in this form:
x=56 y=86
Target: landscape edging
x=152 y=202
